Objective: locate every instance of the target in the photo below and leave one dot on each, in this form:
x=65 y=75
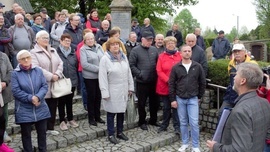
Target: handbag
x=131 y=112
x=61 y=87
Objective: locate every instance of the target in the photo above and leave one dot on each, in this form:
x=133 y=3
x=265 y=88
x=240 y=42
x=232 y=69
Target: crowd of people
x=36 y=51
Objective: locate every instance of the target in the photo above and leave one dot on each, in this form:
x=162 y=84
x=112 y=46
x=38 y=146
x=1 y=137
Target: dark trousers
x=66 y=102
x=2 y=127
x=52 y=104
x=167 y=114
x=93 y=98
x=83 y=89
x=145 y=90
x=41 y=129
x=119 y=123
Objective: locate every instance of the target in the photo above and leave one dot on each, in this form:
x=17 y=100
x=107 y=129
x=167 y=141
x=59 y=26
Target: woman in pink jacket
x=46 y=57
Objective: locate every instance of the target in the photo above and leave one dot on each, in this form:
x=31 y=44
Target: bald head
x=197 y=31
x=146 y=21
x=105 y=24
x=159 y=40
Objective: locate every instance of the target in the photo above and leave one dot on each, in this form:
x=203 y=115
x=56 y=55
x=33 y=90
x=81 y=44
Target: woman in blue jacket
x=29 y=88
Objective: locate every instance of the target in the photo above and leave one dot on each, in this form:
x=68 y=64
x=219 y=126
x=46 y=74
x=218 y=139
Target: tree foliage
x=263 y=16
x=186 y=22
x=152 y=9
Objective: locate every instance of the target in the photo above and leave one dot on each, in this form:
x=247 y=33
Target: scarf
x=39 y=26
x=170 y=52
x=117 y=57
x=64 y=51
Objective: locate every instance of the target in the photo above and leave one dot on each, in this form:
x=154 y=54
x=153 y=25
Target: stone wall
x=207 y=113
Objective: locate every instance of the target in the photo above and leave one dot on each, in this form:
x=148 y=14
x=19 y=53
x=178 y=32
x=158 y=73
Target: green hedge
x=218 y=71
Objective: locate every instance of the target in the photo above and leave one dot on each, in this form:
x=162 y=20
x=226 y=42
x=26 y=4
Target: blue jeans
x=83 y=89
x=167 y=114
x=188 y=112
x=266 y=148
x=119 y=123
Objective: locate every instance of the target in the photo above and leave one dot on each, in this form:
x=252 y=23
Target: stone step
x=177 y=144
x=139 y=141
x=78 y=112
x=76 y=98
x=75 y=136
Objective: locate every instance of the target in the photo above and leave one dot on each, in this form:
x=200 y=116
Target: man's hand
x=267 y=81
x=174 y=104
x=210 y=144
x=4 y=85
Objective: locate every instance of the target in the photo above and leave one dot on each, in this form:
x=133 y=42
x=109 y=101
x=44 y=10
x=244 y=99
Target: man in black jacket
x=177 y=34
x=186 y=87
x=197 y=52
x=143 y=60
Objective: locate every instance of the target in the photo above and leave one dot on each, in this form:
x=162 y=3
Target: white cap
x=239 y=47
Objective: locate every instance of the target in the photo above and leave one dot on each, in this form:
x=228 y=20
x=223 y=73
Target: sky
x=222 y=14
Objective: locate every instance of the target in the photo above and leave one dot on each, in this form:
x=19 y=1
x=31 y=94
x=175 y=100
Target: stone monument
x=121 y=16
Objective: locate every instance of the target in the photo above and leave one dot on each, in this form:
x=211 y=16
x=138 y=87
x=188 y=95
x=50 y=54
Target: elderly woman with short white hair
x=46 y=57
x=91 y=54
x=29 y=88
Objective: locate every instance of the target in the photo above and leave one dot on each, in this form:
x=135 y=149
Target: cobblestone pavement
x=87 y=138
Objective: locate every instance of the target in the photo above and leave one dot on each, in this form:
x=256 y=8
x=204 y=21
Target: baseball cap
x=147 y=35
x=221 y=32
x=2 y=5
x=238 y=47
x=134 y=20
x=43 y=10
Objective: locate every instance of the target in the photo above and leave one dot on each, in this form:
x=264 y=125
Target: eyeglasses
x=67 y=41
x=25 y=58
x=45 y=38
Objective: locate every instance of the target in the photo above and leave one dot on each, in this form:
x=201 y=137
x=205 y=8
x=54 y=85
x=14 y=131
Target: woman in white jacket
x=116 y=84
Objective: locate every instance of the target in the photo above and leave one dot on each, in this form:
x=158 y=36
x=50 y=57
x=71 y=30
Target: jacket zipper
x=33 y=93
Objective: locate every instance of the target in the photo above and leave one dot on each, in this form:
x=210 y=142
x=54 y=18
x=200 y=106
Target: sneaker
x=122 y=136
x=5 y=148
x=196 y=150
x=7 y=138
x=73 y=124
x=53 y=132
x=183 y=148
x=63 y=126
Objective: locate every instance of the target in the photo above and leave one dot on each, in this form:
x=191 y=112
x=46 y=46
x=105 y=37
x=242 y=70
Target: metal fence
x=218 y=87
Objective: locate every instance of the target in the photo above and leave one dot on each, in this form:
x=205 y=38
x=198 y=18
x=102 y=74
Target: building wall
x=8 y=4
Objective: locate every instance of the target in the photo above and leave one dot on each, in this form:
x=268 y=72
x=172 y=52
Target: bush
x=218 y=72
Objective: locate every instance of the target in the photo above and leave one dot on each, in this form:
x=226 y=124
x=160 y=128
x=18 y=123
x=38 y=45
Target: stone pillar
x=121 y=16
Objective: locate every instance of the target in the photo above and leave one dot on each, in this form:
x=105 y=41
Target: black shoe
x=100 y=121
x=112 y=139
x=155 y=124
x=161 y=129
x=144 y=127
x=122 y=136
x=85 y=107
x=93 y=122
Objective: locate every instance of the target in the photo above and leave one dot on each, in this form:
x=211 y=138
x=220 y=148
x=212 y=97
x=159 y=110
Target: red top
x=78 y=54
x=264 y=93
x=89 y=26
x=164 y=66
